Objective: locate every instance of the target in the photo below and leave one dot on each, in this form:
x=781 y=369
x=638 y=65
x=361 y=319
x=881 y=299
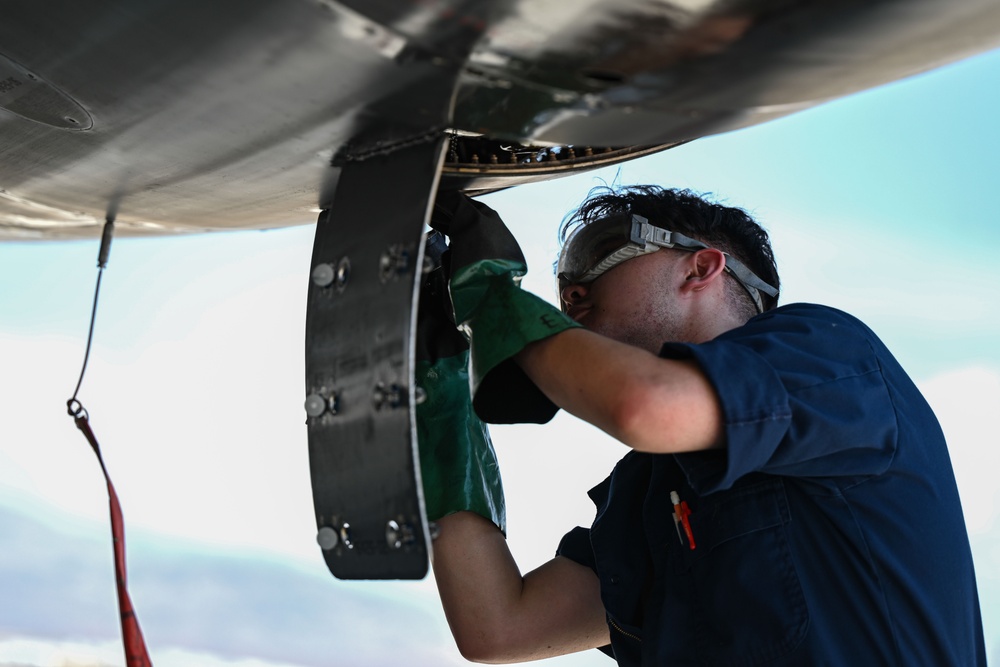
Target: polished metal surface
x=187 y=116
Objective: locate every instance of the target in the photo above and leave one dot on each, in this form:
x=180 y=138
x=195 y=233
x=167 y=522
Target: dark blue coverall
x=827 y=531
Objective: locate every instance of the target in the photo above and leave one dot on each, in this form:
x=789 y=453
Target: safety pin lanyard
x=134 y=644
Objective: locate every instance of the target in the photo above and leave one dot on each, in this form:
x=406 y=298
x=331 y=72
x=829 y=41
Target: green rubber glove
x=458 y=465
x=497 y=316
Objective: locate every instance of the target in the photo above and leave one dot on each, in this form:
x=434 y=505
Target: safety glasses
x=593 y=249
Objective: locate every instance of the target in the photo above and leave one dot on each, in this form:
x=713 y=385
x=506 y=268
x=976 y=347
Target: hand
x=458 y=465
x=476 y=231
x=490 y=307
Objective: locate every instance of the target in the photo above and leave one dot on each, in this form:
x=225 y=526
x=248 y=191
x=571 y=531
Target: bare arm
x=649 y=403
x=498 y=616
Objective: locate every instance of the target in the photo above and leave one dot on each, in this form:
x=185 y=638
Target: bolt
x=327 y=538
x=323 y=275
x=398 y=535
x=394 y=261
x=390 y=397
x=316 y=404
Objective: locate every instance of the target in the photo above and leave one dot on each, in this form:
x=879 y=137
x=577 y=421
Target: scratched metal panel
x=359 y=368
x=199 y=116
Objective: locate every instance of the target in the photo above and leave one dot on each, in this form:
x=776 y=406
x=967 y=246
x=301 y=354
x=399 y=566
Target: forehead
x=605 y=233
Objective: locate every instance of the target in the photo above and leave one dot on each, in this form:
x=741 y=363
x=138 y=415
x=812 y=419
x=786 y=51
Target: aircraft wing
x=188 y=116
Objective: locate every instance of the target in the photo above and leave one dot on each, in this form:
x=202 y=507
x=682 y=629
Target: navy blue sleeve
x=802 y=394
x=575 y=545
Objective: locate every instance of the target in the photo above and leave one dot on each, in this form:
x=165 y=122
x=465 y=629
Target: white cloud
x=966 y=403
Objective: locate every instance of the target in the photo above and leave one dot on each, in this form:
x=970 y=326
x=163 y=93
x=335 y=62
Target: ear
x=704 y=268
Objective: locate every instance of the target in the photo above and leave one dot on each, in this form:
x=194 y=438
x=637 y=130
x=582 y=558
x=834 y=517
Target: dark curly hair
x=725 y=228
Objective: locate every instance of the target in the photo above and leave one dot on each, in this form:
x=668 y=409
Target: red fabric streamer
x=135 y=646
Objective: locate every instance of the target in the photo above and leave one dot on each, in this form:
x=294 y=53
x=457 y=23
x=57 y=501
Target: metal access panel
x=367 y=259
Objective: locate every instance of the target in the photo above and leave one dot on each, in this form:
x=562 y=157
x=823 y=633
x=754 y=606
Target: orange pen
x=681 y=514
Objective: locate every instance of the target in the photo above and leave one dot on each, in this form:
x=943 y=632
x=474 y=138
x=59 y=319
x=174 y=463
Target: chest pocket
x=746 y=592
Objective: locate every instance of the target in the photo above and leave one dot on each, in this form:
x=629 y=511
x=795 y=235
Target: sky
x=882 y=204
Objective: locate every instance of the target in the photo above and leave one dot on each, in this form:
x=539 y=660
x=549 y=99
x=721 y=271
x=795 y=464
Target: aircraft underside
x=182 y=117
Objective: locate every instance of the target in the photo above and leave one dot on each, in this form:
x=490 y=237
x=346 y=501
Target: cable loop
x=76 y=410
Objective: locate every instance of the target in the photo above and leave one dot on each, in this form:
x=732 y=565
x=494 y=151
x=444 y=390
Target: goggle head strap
x=648 y=235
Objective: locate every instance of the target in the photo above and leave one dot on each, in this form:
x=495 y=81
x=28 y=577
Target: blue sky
x=882 y=204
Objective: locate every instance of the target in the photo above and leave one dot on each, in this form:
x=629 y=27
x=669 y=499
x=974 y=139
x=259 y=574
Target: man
x=789 y=499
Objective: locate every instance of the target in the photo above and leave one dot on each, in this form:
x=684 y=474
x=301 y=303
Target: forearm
x=495 y=614
x=648 y=403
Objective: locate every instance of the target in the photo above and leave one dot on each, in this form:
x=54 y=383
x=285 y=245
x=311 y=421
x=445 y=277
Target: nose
x=573 y=294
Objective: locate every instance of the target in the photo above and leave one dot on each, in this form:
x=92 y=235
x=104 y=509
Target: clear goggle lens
x=594 y=249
